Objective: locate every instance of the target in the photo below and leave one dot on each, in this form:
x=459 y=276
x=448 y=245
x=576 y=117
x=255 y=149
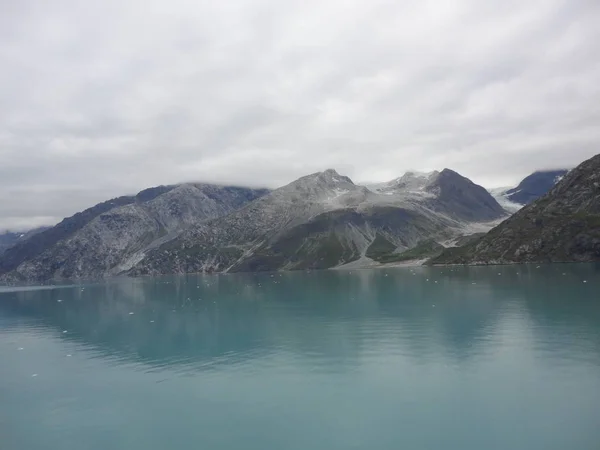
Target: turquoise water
x=423 y=358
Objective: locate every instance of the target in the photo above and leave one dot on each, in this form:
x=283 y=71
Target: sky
x=101 y=99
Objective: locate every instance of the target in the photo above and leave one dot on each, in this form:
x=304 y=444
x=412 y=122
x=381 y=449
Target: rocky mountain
x=324 y=220
x=10 y=238
x=445 y=192
x=529 y=189
x=561 y=226
x=412 y=182
x=36 y=245
x=535 y=185
x=462 y=199
x=111 y=236
x=319 y=221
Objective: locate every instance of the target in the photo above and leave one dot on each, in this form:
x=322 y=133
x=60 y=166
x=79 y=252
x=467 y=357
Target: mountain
x=561 y=226
x=529 y=189
x=412 y=182
x=10 y=238
x=36 y=245
x=535 y=185
x=445 y=192
x=319 y=221
x=111 y=236
x=324 y=220
x=462 y=199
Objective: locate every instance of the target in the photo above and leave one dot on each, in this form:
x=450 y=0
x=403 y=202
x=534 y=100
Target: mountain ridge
x=561 y=226
x=318 y=221
x=535 y=185
x=102 y=238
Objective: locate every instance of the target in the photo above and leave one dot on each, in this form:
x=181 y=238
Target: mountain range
x=318 y=221
x=561 y=226
x=323 y=220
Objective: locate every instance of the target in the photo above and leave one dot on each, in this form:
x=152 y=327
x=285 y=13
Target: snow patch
x=411 y=184
x=501 y=197
x=479 y=227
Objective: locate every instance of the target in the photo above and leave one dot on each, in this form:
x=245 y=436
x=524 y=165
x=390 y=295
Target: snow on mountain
x=324 y=220
x=535 y=185
x=319 y=221
x=500 y=194
x=412 y=182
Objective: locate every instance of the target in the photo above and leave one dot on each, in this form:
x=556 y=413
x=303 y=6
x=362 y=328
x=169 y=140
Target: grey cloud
x=106 y=98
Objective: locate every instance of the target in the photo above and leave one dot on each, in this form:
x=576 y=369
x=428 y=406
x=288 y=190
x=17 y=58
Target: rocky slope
x=324 y=220
x=319 y=221
x=36 y=245
x=462 y=199
x=111 y=236
x=445 y=192
x=562 y=226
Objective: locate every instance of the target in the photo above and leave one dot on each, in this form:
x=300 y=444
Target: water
x=424 y=358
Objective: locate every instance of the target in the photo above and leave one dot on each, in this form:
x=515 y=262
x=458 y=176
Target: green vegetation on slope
x=379 y=248
x=424 y=249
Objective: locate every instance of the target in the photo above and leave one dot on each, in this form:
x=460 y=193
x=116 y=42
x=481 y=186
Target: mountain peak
x=464 y=198
x=419 y=174
x=451 y=173
x=560 y=226
x=535 y=185
x=332 y=176
x=412 y=181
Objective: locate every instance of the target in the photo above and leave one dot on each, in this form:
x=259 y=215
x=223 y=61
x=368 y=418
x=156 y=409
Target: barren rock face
x=562 y=226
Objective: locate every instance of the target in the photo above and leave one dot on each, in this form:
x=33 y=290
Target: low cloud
x=106 y=98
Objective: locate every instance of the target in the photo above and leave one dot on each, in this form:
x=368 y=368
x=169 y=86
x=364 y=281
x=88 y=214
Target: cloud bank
x=99 y=99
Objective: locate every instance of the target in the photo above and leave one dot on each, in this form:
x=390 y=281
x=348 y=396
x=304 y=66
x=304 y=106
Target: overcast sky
x=104 y=98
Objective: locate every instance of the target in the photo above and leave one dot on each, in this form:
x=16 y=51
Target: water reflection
x=330 y=320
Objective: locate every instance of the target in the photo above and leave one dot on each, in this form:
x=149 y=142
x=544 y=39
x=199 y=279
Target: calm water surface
x=424 y=358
